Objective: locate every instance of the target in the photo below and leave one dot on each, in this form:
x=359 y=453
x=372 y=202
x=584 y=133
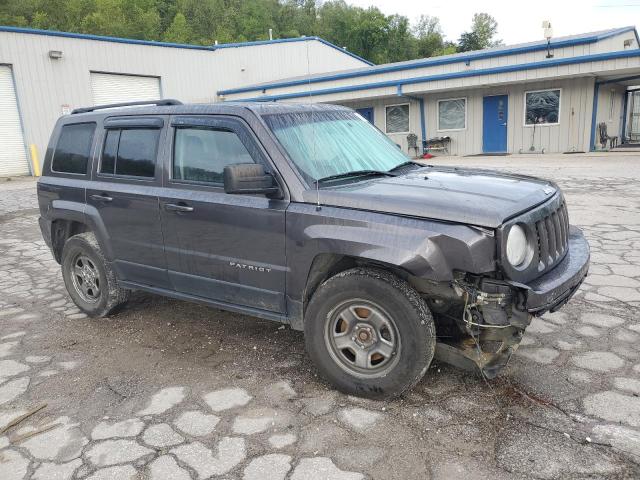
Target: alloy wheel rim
x=86 y=279
x=362 y=338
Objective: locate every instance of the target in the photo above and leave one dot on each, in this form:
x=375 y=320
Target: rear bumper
x=553 y=289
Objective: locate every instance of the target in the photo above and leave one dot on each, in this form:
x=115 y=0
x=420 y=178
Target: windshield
x=328 y=143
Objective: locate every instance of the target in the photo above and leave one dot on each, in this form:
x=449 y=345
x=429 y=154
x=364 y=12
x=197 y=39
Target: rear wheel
x=369 y=333
x=89 y=278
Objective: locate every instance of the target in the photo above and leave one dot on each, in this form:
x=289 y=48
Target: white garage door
x=13 y=156
x=110 y=88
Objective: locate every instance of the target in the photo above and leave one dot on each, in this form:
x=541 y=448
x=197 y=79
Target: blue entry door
x=494 y=124
x=366 y=113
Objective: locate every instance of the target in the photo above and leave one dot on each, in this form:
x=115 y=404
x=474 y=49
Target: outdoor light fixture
x=548 y=33
x=55 y=54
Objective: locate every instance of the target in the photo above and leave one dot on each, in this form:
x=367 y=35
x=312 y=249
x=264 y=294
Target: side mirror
x=246 y=178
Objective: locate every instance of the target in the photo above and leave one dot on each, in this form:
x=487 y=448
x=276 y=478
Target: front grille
x=553 y=237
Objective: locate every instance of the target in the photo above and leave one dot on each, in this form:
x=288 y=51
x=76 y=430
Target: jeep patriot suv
x=310 y=216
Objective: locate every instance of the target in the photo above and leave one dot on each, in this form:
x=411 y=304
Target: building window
x=452 y=114
x=200 y=155
x=130 y=153
x=397 y=118
x=542 y=107
x=73 y=148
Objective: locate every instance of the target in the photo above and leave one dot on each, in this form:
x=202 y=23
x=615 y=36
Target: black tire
x=414 y=334
x=82 y=251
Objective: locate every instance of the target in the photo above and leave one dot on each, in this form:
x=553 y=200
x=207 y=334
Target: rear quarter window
x=73 y=148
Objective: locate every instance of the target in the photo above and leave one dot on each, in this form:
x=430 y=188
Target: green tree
x=178 y=31
x=483 y=30
x=429 y=36
x=364 y=31
x=401 y=44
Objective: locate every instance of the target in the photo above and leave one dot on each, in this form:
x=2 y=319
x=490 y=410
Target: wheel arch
x=326 y=265
x=66 y=223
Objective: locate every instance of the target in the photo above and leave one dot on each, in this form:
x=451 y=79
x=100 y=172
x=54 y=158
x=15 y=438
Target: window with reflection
x=452 y=114
x=130 y=152
x=200 y=154
x=542 y=107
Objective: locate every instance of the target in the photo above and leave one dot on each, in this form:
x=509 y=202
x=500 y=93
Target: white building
x=519 y=98
x=44 y=74
x=524 y=97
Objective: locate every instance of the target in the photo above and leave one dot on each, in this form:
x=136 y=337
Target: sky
x=518 y=21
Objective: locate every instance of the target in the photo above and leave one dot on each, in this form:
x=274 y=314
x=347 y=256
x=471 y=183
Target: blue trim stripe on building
x=152 y=43
x=430 y=62
x=454 y=75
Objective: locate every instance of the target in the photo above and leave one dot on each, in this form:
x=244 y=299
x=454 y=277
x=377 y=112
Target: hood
x=470 y=196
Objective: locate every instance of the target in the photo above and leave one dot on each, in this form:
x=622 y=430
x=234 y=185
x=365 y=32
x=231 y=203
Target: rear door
x=125 y=191
x=227 y=248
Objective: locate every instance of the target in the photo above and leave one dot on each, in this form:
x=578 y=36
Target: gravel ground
x=171 y=390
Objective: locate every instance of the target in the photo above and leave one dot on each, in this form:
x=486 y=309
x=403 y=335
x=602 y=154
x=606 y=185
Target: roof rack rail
x=159 y=103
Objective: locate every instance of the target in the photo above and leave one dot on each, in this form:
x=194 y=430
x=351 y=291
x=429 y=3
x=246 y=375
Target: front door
x=494 y=124
x=224 y=247
x=367 y=113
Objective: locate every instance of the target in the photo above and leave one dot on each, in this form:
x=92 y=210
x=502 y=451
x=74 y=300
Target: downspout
x=594 y=113
x=423 y=124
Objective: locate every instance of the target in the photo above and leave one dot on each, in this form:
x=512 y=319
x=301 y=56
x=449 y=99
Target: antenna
x=548 y=33
x=313 y=126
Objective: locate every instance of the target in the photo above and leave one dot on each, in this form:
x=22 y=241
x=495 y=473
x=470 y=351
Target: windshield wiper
x=404 y=164
x=355 y=173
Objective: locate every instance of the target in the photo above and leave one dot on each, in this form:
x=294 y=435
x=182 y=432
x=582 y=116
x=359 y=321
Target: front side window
x=200 y=154
x=397 y=118
x=452 y=114
x=542 y=107
x=73 y=148
x=130 y=152
x=325 y=143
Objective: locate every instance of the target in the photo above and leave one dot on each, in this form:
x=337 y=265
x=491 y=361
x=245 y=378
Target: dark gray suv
x=307 y=215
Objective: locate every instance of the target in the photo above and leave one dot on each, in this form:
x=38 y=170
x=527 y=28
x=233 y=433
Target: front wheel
x=369 y=333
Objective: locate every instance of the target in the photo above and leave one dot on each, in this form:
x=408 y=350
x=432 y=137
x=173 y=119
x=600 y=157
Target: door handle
x=101 y=198
x=172 y=207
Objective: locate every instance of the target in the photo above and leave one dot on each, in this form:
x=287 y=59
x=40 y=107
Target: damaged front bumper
x=552 y=290
x=496 y=313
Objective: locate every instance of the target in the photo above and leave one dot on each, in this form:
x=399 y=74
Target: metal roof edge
x=447 y=76
x=102 y=38
x=296 y=39
x=429 y=62
x=617 y=31
x=153 y=43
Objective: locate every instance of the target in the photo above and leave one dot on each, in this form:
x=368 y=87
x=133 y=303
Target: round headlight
x=516 y=246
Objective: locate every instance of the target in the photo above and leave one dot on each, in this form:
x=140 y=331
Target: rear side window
x=130 y=153
x=73 y=148
x=201 y=154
